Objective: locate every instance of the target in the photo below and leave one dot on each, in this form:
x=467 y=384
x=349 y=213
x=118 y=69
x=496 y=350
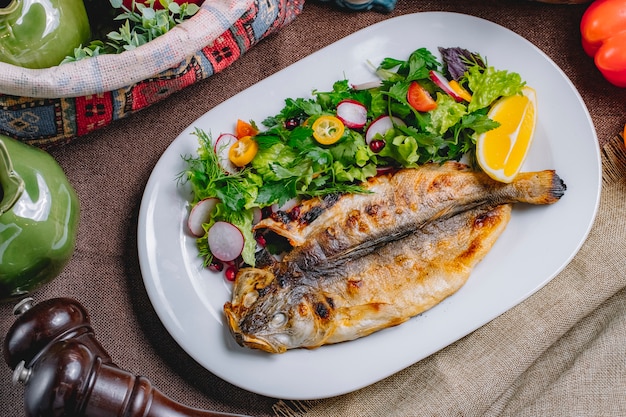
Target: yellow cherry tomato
x=243 y=151
x=327 y=129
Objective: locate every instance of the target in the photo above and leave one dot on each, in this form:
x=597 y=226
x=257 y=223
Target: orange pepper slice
x=462 y=92
x=243 y=151
x=327 y=129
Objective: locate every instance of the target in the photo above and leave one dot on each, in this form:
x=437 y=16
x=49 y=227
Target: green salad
x=419 y=110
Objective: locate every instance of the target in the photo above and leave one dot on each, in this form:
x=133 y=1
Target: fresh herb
x=449 y=131
x=140 y=25
x=208 y=179
x=236 y=192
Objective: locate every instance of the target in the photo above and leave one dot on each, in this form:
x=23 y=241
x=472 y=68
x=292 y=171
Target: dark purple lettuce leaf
x=456 y=61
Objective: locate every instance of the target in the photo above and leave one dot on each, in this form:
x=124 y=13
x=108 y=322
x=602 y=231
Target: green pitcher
x=41 y=33
x=39 y=214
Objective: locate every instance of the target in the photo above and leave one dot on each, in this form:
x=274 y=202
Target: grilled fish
x=348 y=278
x=331 y=229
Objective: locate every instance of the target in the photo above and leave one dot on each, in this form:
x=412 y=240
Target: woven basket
x=53 y=106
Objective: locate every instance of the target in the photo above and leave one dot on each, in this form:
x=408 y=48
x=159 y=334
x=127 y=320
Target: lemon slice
x=501 y=151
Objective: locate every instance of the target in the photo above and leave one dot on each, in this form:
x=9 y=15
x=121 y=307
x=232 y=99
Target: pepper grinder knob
x=69 y=380
x=40 y=325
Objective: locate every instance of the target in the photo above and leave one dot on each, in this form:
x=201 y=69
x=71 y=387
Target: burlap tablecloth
x=561 y=352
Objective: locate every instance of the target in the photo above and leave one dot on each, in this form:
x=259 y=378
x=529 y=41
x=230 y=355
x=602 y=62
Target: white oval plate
x=537 y=244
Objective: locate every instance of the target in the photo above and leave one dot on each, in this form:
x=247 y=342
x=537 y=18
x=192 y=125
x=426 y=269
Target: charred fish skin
x=282 y=307
x=397 y=204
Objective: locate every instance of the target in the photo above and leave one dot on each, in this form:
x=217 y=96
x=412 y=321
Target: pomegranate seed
x=216 y=266
x=292 y=123
x=260 y=239
x=231 y=273
x=377 y=145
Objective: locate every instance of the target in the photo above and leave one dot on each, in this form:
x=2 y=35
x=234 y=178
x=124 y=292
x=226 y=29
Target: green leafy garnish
x=139 y=27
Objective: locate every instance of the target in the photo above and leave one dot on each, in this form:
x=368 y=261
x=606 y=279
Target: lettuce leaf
x=489 y=84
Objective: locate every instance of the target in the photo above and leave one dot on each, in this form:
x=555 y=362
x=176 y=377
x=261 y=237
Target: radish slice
x=382 y=170
x=225 y=241
x=257 y=215
x=382 y=125
x=287 y=205
x=352 y=113
x=222 y=146
x=443 y=83
x=199 y=214
x=367 y=85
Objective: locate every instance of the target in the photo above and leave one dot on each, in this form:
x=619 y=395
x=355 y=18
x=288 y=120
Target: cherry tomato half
x=419 y=98
x=327 y=129
x=243 y=151
x=244 y=129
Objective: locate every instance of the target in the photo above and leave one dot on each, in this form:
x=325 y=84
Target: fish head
x=276 y=314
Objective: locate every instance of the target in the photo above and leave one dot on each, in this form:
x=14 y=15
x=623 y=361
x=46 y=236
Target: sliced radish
x=443 y=83
x=257 y=215
x=200 y=214
x=225 y=241
x=367 y=85
x=382 y=170
x=352 y=113
x=382 y=125
x=222 y=146
x=287 y=205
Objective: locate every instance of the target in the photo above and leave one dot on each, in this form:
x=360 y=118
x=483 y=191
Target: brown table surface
x=109 y=170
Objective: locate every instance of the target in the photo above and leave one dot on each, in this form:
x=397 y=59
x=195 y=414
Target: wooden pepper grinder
x=66 y=372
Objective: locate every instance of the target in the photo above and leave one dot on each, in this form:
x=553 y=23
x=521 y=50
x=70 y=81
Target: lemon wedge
x=501 y=151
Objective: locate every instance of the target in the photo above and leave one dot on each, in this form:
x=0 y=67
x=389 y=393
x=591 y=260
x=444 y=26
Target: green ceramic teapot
x=39 y=214
x=41 y=33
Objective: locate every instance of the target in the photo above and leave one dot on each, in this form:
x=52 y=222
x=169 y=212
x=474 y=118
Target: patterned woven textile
x=53 y=106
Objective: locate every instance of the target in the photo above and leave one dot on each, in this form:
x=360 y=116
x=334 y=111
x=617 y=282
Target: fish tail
x=541 y=187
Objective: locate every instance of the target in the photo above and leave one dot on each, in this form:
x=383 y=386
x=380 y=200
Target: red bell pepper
x=603 y=30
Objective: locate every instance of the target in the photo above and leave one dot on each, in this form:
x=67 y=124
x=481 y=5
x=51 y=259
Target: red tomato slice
x=419 y=98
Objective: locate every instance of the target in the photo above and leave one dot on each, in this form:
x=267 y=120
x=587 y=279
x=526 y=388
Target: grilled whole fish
x=282 y=307
x=331 y=229
x=364 y=262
